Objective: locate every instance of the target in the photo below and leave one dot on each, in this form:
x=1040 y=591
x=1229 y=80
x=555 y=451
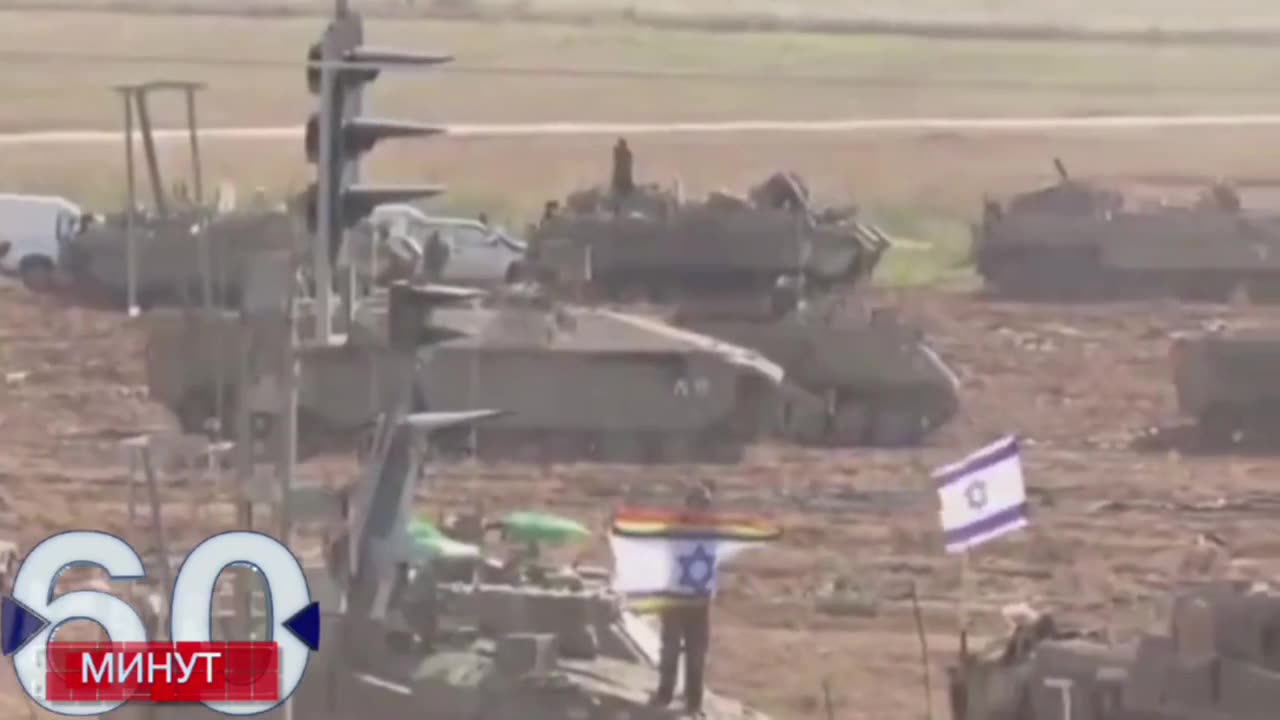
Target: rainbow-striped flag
x=671 y=557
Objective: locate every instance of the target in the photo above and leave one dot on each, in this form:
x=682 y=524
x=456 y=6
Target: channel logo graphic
x=163 y=672
x=234 y=678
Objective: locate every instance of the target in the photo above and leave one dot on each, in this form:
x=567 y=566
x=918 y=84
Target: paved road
x=844 y=125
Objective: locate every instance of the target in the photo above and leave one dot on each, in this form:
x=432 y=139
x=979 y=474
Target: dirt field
x=1111 y=524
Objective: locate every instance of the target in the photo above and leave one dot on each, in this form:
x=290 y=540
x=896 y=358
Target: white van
x=32 y=228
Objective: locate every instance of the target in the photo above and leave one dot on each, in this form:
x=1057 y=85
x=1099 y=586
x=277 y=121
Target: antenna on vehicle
x=1062 y=170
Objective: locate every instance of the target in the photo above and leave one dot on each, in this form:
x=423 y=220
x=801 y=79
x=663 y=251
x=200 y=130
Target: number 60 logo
x=191 y=606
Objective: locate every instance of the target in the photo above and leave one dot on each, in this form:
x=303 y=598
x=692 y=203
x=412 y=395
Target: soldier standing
x=690 y=626
x=550 y=210
x=623 y=182
x=1226 y=196
x=437 y=256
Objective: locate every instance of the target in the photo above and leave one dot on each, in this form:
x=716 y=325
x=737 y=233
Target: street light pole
x=289 y=420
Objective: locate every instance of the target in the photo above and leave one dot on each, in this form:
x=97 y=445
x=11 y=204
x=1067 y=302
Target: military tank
x=1224 y=378
x=652 y=244
x=1077 y=241
x=172 y=253
x=854 y=375
x=581 y=383
x=1218 y=659
x=550 y=649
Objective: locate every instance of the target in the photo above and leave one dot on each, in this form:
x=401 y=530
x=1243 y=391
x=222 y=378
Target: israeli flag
x=982 y=496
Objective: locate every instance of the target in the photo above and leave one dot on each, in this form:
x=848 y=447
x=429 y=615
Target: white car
x=32 y=231
x=478 y=254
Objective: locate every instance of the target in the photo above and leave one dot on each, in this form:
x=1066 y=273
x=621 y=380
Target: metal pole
x=205 y=254
x=197 y=172
x=289 y=420
x=349 y=293
x=130 y=241
x=349 y=287
x=350 y=176
x=157 y=529
x=322 y=271
x=963 y=605
x=149 y=149
x=244 y=462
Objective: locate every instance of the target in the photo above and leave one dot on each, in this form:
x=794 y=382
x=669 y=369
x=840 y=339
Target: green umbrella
x=424 y=529
x=443 y=548
x=433 y=543
x=535 y=527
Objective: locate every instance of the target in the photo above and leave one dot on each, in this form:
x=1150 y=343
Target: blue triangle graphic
x=17 y=625
x=305 y=625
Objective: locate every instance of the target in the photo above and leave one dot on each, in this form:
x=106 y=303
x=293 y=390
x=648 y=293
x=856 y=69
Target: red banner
x=184 y=672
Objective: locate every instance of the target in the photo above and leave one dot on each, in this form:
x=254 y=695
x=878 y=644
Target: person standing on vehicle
x=623 y=182
x=688 y=626
x=436 y=257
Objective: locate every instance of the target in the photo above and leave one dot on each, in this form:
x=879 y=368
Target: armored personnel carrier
x=652 y=244
x=581 y=383
x=172 y=253
x=854 y=375
x=1077 y=241
x=1219 y=659
x=1226 y=380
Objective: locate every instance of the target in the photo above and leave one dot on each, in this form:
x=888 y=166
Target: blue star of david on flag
x=982 y=496
x=697 y=569
x=976 y=495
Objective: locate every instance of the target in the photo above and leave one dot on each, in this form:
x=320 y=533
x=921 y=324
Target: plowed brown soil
x=1113 y=526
